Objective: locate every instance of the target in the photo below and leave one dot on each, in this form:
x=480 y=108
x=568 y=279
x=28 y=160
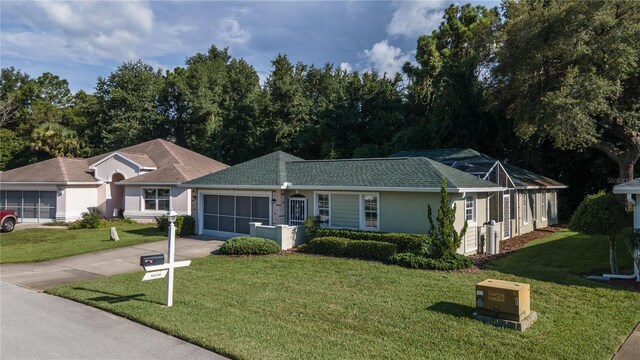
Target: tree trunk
x=613 y=256
x=627 y=167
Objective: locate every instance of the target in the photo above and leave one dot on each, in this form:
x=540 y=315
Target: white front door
x=297 y=211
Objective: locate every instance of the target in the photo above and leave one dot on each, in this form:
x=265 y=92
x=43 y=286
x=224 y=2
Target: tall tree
x=128 y=107
x=569 y=71
x=446 y=89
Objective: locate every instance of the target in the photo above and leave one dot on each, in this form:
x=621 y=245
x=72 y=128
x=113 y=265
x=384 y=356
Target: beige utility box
x=503 y=299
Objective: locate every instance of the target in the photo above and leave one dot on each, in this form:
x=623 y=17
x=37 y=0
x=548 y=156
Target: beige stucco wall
x=77 y=199
x=116 y=164
x=133 y=199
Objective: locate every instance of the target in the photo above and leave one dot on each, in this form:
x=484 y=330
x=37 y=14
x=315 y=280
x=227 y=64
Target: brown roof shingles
x=174 y=164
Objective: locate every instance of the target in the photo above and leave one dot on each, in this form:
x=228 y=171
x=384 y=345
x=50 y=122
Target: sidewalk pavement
x=630 y=350
x=47 y=274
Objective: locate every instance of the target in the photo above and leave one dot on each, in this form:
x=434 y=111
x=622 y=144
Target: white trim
x=142 y=203
x=474 y=220
x=525 y=207
x=343 y=188
x=626 y=189
x=112 y=155
x=542 y=187
x=316 y=210
x=145 y=183
x=99 y=182
x=363 y=214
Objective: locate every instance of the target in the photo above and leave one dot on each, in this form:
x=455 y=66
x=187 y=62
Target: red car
x=9 y=218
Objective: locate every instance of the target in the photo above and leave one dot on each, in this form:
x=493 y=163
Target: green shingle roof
x=267 y=170
x=456 y=156
x=277 y=168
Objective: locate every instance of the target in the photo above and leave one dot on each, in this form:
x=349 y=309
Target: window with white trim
x=525 y=209
x=370 y=211
x=470 y=209
x=534 y=206
x=156 y=199
x=323 y=202
x=543 y=205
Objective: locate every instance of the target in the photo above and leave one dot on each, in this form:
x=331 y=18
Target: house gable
x=118 y=163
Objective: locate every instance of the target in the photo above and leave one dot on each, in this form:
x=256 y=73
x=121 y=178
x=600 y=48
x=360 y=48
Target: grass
x=32 y=245
x=305 y=306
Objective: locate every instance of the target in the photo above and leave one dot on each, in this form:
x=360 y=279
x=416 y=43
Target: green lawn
x=303 y=306
x=33 y=245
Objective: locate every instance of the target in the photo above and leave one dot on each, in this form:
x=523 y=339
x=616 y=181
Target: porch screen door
x=297 y=211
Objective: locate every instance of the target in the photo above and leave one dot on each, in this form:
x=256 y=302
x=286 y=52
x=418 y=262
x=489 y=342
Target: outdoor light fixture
x=172 y=215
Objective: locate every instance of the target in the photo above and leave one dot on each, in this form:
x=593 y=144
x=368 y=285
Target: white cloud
x=90 y=32
x=345 y=66
x=415 y=18
x=230 y=32
x=385 y=58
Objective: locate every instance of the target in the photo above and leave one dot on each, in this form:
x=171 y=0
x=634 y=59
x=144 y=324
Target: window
x=534 y=206
x=324 y=208
x=370 y=211
x=525 y=209
x=554 y=210
x=156 y=199
x=543 y=206
x=470 y=209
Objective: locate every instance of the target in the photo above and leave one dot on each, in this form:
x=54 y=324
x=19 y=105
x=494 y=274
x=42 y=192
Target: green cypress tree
x=445 y=239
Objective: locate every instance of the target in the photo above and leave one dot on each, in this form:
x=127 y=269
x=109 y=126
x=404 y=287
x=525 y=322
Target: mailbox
x=148 y=260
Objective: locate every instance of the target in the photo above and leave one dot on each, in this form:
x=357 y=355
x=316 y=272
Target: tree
x=56 y=141
x=446 y=89
x=602 y=214
x=128 y=107
x=569 y=71
x=445 y=239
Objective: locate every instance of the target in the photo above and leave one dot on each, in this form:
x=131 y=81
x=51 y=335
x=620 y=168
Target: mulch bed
x=480 y=261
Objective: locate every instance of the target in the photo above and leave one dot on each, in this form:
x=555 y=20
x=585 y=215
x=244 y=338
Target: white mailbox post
x=160 y=271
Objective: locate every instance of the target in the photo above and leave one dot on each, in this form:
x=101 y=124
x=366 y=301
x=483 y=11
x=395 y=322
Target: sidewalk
x=630 y=350
x=47 y=274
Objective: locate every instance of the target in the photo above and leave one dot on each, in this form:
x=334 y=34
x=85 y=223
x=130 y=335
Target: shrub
x=91 y=219
x=163 y=223
x=247 y=245
x=601 y=214
x=414 y=243
x=414 y=261
x=188 y=225
x=360 y=249
x=445 y=240
x=311 y=226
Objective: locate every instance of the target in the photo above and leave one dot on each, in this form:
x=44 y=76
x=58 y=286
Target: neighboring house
x=138 y=182
x=632 y=190
x=530 y=202
x=387 y=194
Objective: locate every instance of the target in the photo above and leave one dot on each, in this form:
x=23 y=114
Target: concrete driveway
x=47 y=274
x=40 y=326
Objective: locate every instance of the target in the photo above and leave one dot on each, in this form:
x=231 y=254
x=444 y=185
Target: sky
x=81 y=40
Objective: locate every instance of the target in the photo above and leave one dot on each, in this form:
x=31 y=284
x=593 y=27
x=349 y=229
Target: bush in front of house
x=247 y=245
x=414 y=261
x=414 y=243
x=185 y=224
x=91 y=219
x=359 y=249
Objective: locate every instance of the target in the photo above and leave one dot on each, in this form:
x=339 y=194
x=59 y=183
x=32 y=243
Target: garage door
x=225 y=215
x=32 y=206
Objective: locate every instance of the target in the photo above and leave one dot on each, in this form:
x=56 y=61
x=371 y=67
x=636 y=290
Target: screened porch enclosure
x=31 y=206
x=228 y=214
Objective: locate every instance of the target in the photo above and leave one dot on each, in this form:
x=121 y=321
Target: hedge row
x=247 y=245
x=361 y=249
x=414 y=261
x=413 y=243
